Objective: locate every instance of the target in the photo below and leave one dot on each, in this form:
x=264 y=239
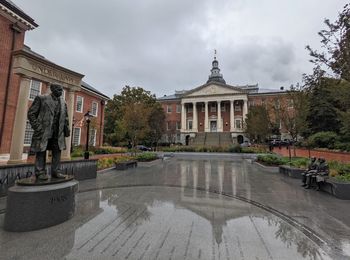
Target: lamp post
x=87 y=117
x=72 y=136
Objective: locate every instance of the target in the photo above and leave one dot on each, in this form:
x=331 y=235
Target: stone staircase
x=212 y=139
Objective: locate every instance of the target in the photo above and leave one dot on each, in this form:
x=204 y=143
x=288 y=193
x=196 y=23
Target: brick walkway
x=328 y=155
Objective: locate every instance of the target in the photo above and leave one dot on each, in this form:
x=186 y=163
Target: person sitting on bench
x=311 y=169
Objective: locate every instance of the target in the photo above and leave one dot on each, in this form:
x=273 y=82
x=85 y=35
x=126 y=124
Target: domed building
x=212 y=114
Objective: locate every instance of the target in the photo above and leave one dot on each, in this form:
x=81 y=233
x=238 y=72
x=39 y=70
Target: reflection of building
x=212 y=107
x=25 y=74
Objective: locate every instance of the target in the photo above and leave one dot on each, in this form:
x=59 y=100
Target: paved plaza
x=192 y=206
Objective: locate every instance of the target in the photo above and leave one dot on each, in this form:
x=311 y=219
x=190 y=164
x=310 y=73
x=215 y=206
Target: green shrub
x=270 y=159
x=323 y=140
x=344 y=177
x=108 y=150
x=299 y=162
x=235 y=149
x=146 y=157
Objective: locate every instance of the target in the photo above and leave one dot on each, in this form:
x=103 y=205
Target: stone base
x=35 y=207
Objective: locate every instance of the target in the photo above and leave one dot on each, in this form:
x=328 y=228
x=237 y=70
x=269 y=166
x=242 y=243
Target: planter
x=340 y=190
x=292 y=172
x=125 y=165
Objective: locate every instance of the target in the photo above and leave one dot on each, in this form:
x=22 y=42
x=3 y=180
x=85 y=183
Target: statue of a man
x=49 y=118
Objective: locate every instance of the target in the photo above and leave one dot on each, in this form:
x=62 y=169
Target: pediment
x=213 y=89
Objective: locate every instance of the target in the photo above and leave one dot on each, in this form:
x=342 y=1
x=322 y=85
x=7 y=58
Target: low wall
x=80 y=169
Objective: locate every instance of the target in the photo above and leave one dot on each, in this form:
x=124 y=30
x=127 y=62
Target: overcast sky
x=169 y=45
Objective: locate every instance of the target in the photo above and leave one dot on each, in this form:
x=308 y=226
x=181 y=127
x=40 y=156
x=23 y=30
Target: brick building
x=214 y=107
x=25 y=74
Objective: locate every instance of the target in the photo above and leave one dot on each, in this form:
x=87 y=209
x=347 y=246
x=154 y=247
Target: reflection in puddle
x=171 y=223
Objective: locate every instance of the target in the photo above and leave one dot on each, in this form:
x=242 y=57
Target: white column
x=219 y=123
x=70 y=107
x=232 y=116
x=206 y=117
x=195 y=117
x=245 y=109
x=19 y=126
x=183 y=117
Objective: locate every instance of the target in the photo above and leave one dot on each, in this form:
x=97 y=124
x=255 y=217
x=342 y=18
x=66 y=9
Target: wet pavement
x=192 y=206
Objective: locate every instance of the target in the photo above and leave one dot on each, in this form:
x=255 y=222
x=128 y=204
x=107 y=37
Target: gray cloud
x=168 y=45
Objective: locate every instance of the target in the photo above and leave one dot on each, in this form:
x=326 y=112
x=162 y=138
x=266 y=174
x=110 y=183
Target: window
x=169 y=109
x=178 y=137
x=76 y=136
x=80 y=102
x=277 y=104
x=28 y=134
x=167 y=125
x=213 y=108
x=94 y=108
x=203 y=107
x=189 y=124
x=190 y=109
x=238 y=108
x=178 y=109
x=223 y=107
x=238 y=123
x=92 y=137
x=251 y=103
x=178 y=125
x=35 y=89
x=290 y=103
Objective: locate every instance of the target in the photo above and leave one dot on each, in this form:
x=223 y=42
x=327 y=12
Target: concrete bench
x=340 y=190
x=292 y=172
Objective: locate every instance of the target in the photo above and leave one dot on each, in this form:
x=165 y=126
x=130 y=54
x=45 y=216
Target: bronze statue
x=49 y=118
x=311 y=170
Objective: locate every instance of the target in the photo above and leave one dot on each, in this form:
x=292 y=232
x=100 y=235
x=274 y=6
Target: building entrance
x=213 y=126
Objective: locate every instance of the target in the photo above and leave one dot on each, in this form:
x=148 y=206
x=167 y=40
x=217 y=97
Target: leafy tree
x=292 y=111
x=128 y=116
x=135 y=121
x=257 y=123
x=335 y=41
x=156 y=123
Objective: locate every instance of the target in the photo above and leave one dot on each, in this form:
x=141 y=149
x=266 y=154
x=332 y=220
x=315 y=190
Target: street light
x=87 y=117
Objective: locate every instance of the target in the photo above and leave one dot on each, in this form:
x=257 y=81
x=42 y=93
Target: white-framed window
x=238 y=108
x=35 y=89
x=251 y=103
x=203 y=107
x=80 y=104
x=28 y=134
x=168 y=125
x=92 y=137
x=178 y=108
x=223 y=107
x=94 y=108
x=213 y=108
x=178 y=137
x=238 y=123
x=169 y=109
x=76 y=136
x=290 y=103
x=189 y=124
x=178 y=125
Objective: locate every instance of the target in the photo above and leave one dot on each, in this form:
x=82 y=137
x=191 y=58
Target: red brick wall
x=9 y=105
x=96 y=122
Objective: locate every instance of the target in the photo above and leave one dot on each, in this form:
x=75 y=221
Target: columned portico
x=223 y=117
x=16 y=151
x=29 y=66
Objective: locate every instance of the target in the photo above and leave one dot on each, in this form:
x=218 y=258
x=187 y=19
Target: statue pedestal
x=32 y=207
